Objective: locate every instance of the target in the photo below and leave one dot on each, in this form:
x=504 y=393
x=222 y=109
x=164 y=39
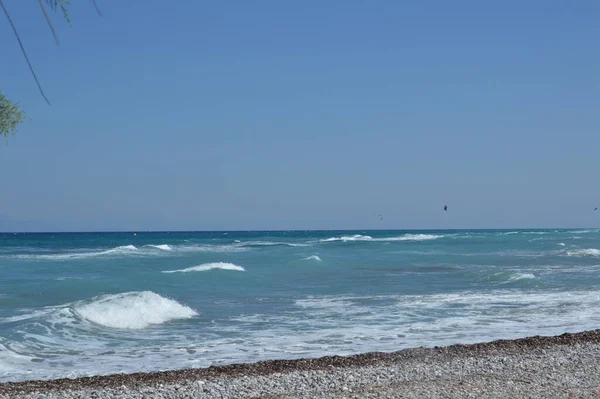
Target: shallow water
x=99 y=303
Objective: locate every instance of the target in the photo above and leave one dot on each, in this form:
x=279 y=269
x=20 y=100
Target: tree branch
x=49 y=22
x=96 y=7
x=23 y=51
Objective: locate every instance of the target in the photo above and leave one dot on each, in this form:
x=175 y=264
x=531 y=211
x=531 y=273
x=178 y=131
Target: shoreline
x=535 y=347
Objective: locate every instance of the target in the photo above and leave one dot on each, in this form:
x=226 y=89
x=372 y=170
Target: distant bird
x=446 y=208
x=595 y=209
x=380 y=216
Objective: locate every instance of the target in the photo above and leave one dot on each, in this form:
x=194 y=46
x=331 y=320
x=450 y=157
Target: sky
x=267 y=114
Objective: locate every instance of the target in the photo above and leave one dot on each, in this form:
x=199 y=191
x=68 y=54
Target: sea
x=83 y=304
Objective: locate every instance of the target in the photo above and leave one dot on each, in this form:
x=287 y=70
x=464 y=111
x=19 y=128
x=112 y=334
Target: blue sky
x=311 y=115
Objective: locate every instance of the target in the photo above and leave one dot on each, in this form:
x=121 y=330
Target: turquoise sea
x=98 y=303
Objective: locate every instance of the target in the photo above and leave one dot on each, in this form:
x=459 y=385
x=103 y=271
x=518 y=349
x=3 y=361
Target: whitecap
x=314 y=257
x=211 y=248
x=521 y=276
x=208 y=266
x=356 y=237
x=133 y=310
x=269 y=244
x=405 y=237
x=164 y=247
x=584 y=252
x=411 y=237
x=121 y=250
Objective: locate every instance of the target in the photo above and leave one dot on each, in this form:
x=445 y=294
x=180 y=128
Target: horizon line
x=286 y=230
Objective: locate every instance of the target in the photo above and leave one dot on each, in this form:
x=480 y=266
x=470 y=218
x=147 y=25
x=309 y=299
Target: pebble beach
x=564 y=366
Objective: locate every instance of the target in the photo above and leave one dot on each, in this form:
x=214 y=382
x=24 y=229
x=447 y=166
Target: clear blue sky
x=271 y=114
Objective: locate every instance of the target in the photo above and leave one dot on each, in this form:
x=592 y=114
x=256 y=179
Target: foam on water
x=117 y=251
x=411 y=237
x=584 y=252
x=321 y=325
x=521 y=276
x=406 y=237
x=424 y=288
x=208 y=266
x=356 y=237
x=163 y=247
x=133 y=310
x=225 y=248
x=145 y=251
x=270 y=244
x=314 y=257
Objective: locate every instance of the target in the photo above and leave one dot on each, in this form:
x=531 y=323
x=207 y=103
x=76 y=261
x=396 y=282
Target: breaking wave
x=133 y=310
x=208 y=266
x=163 y=247
x=314 y=257
x=117 y=251
x=521 y=276
x=405 y=237
x=584 y=252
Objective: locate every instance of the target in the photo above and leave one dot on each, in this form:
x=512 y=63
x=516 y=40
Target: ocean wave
x=133 y=310
x=117 y=251
x=269 y=244
x=356 y=237
x=314 y=257
x=584 y=252
x=208 y=266
x=405 y=237
x=163 y=247
x=224 y=248
x=412 y=237
x=521 y=276
x=151 y=250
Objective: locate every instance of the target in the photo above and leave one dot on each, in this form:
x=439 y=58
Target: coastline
x=556 y=366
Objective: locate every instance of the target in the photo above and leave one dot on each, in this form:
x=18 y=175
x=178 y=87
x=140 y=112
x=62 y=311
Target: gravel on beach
x=565 y=366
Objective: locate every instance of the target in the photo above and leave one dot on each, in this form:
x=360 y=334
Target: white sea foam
x=133 y=310
x=411 y=237
x=270 y=244
x=117 y=251
x=208 y=266
x=317 y=326
x=405 y=237
x=356 y=237
x=131 y=250
x=125 y=247
x=314 y=257
x=521 y=276
x=562 y=244
x=211 y=248
x=164 y=247
x=584 y=252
